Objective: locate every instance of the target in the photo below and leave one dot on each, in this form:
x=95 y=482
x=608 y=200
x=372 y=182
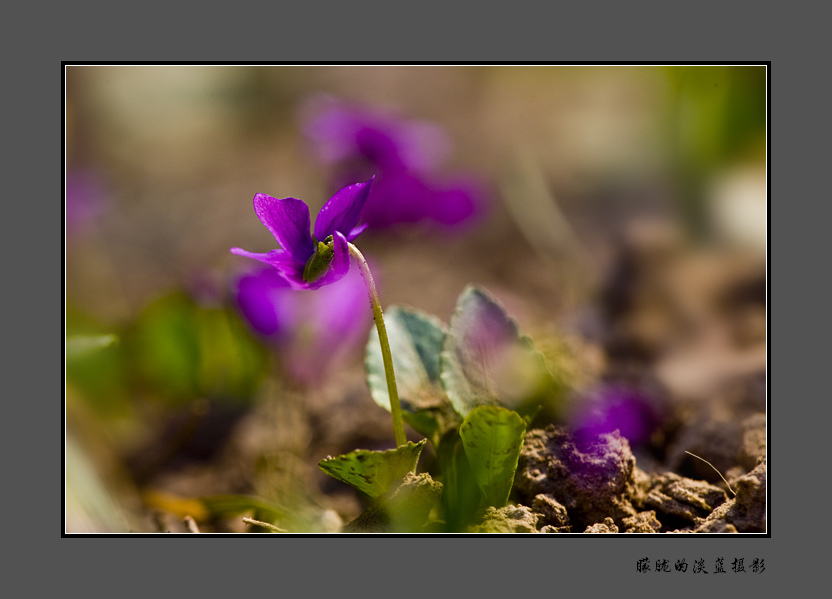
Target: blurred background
x=618 y=212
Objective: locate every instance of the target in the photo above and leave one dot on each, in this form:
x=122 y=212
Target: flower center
x=319 y=262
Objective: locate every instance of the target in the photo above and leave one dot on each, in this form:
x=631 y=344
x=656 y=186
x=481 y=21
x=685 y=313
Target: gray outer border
x=496 y=566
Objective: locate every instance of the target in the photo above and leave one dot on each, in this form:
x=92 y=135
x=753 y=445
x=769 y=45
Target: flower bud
x=318 y=264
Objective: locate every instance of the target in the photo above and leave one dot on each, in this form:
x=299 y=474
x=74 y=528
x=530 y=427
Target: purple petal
x=286 y=265
x=343 y=311
x=356 y=231
x=424 y=146
x=288 y=220
x=331 y=322
x=457 y=203
x=264 y=300
x=274 y=258
x=398 y=198
x=342 y=211
x=379 y=148
x=341 y=131
x=339 y=266
x=330 y=126
x=405 y=198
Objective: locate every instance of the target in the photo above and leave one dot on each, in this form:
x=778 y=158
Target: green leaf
x=492 y=437
x=404 y=508
x=97 y=372
x=79 y=346
x=164 y=348
x=485 y=359
x=181 y=350
x=461 y=496
x=231 y=362
x=415 y=344
x=374 y=472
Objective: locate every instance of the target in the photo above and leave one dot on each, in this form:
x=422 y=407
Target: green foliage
x=176 y=350
x=471 y=388
x=721 y=111
x=226 y=506
x=374 y=472
x=216 y=507
x=96 y=368
x=719 y=120
x=180 y=350
x=406 y=507
x=164 y=347
x=80 y=346
x=492 y=437
x=487 y=361
x=415 y=343
x=461 y=496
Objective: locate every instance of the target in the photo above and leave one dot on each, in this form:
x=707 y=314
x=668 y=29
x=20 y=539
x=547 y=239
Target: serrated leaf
x=374 y=472
x=404 y=508
x=415 y=344
x=492 y=438
x=485 y=359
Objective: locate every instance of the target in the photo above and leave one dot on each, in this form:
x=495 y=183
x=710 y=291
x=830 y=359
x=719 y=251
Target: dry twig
x=191 y=524
x=266 y=525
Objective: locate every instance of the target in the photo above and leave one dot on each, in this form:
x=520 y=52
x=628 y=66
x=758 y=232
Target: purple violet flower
x=404 y=198
x=404 y=155
x=341 y=132
x=310 y=330
x=303 y=261
x=635 y=411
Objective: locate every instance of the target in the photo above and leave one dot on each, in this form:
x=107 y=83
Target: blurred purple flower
x=311 y=331
x=342 y=132
x=404 y=155
x=304 y=262
x=635 y=412
x=405 y=198
x=85 y=199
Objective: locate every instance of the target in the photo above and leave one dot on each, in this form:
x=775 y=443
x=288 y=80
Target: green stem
x=386 y=356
